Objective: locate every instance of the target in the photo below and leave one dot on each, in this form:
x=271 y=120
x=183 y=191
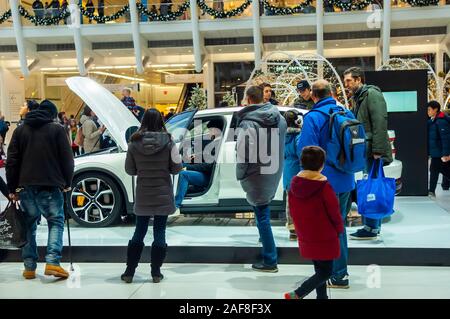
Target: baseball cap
x=303 y=85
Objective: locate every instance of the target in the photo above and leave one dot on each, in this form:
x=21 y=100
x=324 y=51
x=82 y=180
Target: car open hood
x=108 y=108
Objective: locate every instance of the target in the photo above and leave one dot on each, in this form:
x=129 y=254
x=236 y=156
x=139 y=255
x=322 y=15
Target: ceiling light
x=220 y=50
x=56 y=55
x=398 y=41
x=337 y=44
x=189 y=51
x=109 y=53
x=428 y=40
x=364 y=43
x=169 y=65
x=119 y=76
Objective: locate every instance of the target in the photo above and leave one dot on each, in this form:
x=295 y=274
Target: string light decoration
x=168 y=17
x=5 y=16
x=353 y=5
x=286 y=10
x=223 y=14
x=103 y=19
x=421 y=3
x=63 y=14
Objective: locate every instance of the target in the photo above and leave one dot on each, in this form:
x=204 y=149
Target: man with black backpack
x=323 y=126
x=371 y=110
x=39 y=168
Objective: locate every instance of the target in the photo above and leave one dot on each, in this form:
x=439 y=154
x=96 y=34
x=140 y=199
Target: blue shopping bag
x=375 y=195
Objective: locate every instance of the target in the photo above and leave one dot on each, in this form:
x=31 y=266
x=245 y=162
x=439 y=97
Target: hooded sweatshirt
x=39 y=154
x=153 y=157
x=315 y=211
x=260 y=152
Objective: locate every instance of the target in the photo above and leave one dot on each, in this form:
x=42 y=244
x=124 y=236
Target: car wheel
x=95 y=200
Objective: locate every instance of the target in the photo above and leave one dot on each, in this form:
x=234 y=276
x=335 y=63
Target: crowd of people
x=318 y=192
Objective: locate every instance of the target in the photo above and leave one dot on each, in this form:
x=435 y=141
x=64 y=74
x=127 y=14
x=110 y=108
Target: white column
x=386 y=31
x=196 y=36
x=17 y=24
x=75 y=25
x=257 y=38
x=440 y=68
x=209 y=83
x=319 y=27
x=136 y=36
x=378 y=55
x=319 y=35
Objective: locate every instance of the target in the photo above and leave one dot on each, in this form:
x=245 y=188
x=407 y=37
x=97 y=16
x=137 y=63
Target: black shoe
x=338 y=283
x=134 y=252
x=158 y=255
x=292 y=235
x=363 y=234
x=264 y=268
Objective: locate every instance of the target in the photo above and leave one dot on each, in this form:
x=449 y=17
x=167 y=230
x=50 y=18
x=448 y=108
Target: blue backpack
x=346 y=145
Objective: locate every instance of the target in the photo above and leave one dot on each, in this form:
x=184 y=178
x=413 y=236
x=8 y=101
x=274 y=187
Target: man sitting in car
x=199 y=174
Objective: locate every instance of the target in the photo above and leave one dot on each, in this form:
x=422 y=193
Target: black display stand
x=410 y=127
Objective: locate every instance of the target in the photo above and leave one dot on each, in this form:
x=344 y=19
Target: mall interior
x=163 y=52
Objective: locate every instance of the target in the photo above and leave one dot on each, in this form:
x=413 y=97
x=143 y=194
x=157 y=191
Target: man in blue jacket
x=315 y=132
x=438 y=144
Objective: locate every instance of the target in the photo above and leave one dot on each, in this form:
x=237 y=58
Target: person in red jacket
x=317 y=219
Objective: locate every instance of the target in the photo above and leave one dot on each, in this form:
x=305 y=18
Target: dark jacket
x=208 y=157
x=439 y=136
x=259 y=176
x=153 y=158
x=315 y=131
x=39 y=154
x=371 y=110
x=314 y=208
x=303 y=104
x=291 y=156
x=3 y=188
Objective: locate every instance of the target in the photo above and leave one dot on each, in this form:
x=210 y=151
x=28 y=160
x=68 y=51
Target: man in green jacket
x=370 y=109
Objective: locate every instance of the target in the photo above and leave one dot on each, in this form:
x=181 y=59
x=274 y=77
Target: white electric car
x=102 y=191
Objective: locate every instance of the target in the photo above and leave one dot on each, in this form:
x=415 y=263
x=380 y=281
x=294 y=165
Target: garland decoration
x=274 y=10
x=5 y=16
x=103 y=19
x=173 y=15
x=223 y=14
x=63 y=14
x=351 y=5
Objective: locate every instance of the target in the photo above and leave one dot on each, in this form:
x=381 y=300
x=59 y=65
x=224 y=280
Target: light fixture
x=398 y=41
x=119 y=76
x=428 y=40
x=364 y=43
x=3 y=57
x=245 y=49
x=109 y=53
x=56 y=55
x=337 y=44
x=220 y=50
x=189 y=51
x=169 y=65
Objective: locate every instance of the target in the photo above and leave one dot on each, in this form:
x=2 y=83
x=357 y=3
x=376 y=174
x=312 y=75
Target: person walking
x=260 y=125
x=316 y=132
x=92 y=134
x=90 y=8
x=39 y=169
x=438 y=144
x=371 y=110
x=153 y=157
x=317 y=219
x=291 y=161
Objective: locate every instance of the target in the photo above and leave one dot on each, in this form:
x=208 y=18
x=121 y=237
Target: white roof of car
x=230 y=110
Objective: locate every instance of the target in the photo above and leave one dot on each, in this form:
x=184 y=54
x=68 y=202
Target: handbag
x=13 y=229
x=375 y=195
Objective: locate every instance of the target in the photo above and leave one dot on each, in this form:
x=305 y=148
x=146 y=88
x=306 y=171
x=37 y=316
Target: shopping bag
x=13 y=229
x=375 y=195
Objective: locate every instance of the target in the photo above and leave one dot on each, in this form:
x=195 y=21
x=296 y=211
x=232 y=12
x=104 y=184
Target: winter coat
x=314 y=209
x=259 y=177
x=439 y=136
x=315 y=131
x=291 y=156
x=153 y=158
x=91 y=133
x=39 y=154
x=371 y=110
x=304 y=104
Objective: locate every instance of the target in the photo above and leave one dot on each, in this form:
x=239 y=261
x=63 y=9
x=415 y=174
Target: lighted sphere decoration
x=434 y=89
x=283 y=71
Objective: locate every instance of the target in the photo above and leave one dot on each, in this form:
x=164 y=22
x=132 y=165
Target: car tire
x=101 y=199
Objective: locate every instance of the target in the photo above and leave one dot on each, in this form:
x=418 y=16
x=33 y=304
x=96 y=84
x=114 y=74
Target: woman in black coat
x=153 y=157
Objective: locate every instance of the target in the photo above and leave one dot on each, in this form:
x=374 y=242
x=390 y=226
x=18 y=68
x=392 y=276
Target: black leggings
x=438 y=167
x=318 y=281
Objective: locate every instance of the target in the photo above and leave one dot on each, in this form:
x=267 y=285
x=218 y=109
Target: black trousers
x=323 y=270
x=438 y=167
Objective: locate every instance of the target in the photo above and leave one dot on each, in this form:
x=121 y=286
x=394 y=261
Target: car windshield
x=178 y=124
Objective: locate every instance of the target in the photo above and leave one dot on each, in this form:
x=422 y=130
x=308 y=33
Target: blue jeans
x=371 y=225
x=186 y=178
x=159 y=230
x=269 y=250
x=49 y=202
x=340 y=264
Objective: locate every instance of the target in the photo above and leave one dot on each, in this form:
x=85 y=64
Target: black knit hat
x=49 y=107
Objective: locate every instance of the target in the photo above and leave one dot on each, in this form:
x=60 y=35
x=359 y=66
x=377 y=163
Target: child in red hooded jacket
x=317 y=219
